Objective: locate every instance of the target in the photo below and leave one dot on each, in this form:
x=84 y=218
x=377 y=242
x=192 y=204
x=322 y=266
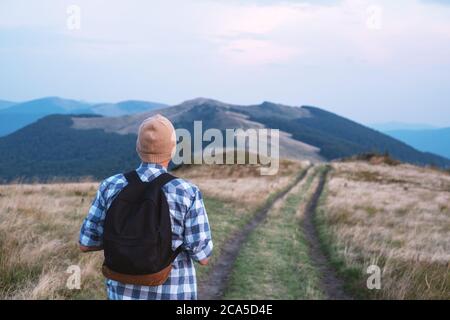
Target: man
x=155 y=146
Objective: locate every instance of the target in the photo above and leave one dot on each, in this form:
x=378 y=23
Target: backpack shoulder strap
x=132 y=177
x=162 y=179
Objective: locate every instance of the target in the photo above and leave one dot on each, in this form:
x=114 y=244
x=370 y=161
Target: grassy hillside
x=39 y=233
x=395 y=217
x=40 y=223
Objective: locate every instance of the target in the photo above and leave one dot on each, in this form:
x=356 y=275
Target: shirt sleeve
x=197 y=233
x=91 y=232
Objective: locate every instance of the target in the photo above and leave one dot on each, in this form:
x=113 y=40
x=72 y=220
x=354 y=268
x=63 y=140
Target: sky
x=371 y=61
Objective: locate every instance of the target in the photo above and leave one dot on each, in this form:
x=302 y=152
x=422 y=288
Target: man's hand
x=90 y=249
x=204 y=262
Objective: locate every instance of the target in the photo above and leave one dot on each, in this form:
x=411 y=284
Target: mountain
x=436 y=140
x=125 y=107
x=6 y=104
x=213 y=114
x=68 y=146
x=390 y=126
x=15 y=116
x=22 y=114
x=338 y=137
x=50 y=148
x=48 y=105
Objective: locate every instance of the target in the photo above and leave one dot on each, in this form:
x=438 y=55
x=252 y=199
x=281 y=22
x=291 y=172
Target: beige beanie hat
x=156 y=140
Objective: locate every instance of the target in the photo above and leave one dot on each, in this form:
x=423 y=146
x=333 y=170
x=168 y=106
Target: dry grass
x=39 y=226
x=242 y=183
x=39 y=232
x=397 y=217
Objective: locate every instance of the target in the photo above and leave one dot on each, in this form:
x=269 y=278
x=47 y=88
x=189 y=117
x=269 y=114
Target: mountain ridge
x=394 y=125
x=334 y=135
x=92 y=145
x=17 y=115
x=6 y=104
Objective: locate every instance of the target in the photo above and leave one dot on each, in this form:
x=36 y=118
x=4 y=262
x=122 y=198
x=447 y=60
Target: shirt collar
x=147 y=165
x=149 y=171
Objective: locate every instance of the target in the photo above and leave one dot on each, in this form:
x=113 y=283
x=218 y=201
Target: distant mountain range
x=67 y=146
x=423 y=137
x=14 y=116
x=5 y=104
x=432 y=140
x=392 y=126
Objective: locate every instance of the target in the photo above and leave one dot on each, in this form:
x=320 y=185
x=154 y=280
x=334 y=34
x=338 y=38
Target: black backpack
x=137 y=237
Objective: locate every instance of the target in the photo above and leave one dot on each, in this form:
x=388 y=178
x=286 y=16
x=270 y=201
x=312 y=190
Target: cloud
x=377 y=33
x=256 y=52
x=243 y=32
x=330 y=53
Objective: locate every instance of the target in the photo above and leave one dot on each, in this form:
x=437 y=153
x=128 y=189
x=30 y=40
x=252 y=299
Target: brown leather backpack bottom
x=153 y=279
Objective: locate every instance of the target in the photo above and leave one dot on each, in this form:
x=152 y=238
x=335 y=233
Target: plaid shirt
x=190 y=228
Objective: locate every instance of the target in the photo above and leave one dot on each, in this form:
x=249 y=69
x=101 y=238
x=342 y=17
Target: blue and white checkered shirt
x=190 y=228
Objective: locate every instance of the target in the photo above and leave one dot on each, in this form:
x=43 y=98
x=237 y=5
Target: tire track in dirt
x=331 y=284
x=216 y=282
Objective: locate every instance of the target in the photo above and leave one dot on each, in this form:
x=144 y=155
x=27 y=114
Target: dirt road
x=214 y=285
x=332 y=286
